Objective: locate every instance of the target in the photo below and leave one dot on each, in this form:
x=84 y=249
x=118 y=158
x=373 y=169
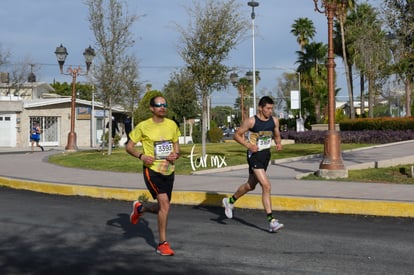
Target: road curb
x=251 y=201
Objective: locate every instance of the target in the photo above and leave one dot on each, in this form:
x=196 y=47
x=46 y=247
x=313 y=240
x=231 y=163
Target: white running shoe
x=275 y=225
x=228 y=208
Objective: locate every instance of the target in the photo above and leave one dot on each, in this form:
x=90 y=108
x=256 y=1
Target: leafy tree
x=83 y=91
x=131 y=90
x=314 y=76
x=370 y=48
x=399 y=16
x=4 y=56
x=342 y=10
x=220 y=115
x=18 y=73
x=287 y=83
x=143 y=112
x=215 y=28
x=111 y=26
x=181 y=95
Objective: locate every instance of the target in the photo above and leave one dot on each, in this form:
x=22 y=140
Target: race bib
x=162 y=149
x=264 y=142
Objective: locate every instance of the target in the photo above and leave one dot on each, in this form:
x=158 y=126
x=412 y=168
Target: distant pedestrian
x=35 y=135
x=115 y=130
x=262 y=128
x=159 y=137
x=128 y=127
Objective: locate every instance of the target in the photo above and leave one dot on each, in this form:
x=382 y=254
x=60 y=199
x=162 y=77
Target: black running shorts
x=258 y=160
x=158 y=183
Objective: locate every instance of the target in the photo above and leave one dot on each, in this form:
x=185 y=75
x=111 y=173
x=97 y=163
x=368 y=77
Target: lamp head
x=253 y=4
x=234 y=78
x=89 y=54
x=249 y=76
x=61 y=54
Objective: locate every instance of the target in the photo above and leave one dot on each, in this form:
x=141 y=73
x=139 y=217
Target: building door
x=7 y=129
x=50 y=130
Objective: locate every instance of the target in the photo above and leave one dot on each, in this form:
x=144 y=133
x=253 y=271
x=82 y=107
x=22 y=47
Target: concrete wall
x=323 y=127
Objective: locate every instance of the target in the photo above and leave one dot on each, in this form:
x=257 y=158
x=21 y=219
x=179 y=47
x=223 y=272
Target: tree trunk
x=347 y=72
x=110 y=127
x=318 y=110
x=362 y=88
x=408 y=97
x=204 y=123
x=370 y=98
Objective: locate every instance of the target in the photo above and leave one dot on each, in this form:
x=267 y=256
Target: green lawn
x=396 y=174
x=229 y=153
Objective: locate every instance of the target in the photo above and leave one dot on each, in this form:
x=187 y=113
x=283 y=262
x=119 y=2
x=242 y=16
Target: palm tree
x=243 y=87
x=399 y=16
x=342 y=11
x=314 y=74
x=370 y=48
x=304 y=30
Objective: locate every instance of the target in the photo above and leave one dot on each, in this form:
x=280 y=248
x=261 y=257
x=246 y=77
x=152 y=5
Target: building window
x=49 y=126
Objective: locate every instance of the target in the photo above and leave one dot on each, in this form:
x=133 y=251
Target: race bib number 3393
x=162 y=149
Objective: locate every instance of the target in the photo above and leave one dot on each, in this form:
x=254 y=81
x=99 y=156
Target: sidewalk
x=24 y=170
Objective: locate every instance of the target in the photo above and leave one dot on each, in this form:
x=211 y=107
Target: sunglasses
x=158 y=105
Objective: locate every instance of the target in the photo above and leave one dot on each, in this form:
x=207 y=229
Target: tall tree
x=371 y=50
x=223 y=116
x=286 y=83
x=143 y=112
x=214 y=29
x=83 y=91
x=111 y=25
x=131 y=89
x=181 y=95
x=19 y=74
x=245 y=88
x=342 y=11
x=399 y=15
x=4 y=56
x=304 y=30
x=314 y=75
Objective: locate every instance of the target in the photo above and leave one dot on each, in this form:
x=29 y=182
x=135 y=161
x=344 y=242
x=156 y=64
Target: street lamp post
x=253 y=4
x=331 y=166
x=61 y=54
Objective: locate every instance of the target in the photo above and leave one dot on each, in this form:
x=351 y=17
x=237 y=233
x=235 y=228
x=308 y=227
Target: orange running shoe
x=135 y=214
x=164 y=249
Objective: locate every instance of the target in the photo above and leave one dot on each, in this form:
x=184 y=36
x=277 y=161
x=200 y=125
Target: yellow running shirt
x=157 y=140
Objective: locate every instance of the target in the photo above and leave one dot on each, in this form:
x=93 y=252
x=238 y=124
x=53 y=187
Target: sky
x=31 y=30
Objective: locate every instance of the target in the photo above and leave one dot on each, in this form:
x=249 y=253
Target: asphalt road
x=48 y=234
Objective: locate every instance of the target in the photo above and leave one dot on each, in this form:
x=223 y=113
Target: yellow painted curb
x=307 y=204
x=72 y=190
x=279 y=203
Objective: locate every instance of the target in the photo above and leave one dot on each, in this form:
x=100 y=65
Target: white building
x=35 y=101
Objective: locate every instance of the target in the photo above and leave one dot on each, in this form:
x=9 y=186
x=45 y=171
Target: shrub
x=196 y=135
x=366 y=136
x=215 y=135
x=105 y=138
x=380 y=123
